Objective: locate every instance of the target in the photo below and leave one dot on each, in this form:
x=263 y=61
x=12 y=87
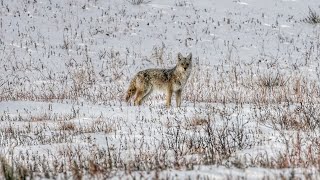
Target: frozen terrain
x=250 y=109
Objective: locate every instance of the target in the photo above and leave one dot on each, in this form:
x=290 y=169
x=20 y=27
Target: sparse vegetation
x=313 y=17
x=271 y=81
x=252 y=101
x=13 y=171
x=138 y=2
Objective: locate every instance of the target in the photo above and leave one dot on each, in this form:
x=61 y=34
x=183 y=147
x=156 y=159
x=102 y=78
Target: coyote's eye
x=187 y=64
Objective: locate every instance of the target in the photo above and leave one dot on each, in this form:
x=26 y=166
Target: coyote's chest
x=179 y=81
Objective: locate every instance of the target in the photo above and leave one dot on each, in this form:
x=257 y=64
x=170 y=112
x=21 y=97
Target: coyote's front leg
x=169 y=94
x=178 y=97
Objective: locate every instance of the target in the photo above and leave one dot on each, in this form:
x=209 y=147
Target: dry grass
x=226 y=106
x=312 y=18
x=67 y=126
x=138 y=2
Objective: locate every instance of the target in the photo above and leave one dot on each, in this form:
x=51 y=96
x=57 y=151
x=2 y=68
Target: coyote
x=167 y=80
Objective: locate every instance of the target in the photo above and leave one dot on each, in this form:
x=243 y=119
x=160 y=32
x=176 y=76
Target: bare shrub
x=158 y=53
x=299 y=153
x=67 y=126
x=312 y=18
x=138 y=2
x=271 y=81
x=181 y=3
x=196 y=122
x=80 y=78
x=304 y=117
x=76 y=171
x=13 y=171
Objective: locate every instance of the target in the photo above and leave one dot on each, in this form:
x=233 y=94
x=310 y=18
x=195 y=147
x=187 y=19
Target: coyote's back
x=167 y=80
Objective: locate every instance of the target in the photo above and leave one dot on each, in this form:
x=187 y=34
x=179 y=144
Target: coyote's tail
x=131 y=90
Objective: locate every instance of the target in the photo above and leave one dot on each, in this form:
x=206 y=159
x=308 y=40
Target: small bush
x=271 y=81
x=67 y=126
x=138 y=2
x=313 y=17
x=9 y=172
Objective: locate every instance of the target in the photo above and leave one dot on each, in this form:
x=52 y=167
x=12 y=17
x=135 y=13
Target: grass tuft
x=138 y=2
x=312 y=18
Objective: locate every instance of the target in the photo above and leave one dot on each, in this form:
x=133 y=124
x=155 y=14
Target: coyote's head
x=184 y=63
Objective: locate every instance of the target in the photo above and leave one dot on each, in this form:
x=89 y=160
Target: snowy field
x=250 y=109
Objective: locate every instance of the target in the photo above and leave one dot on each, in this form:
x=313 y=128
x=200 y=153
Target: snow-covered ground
x=250 y=108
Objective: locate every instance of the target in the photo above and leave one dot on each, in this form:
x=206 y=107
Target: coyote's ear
x=180 y=57
x=189 y=57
